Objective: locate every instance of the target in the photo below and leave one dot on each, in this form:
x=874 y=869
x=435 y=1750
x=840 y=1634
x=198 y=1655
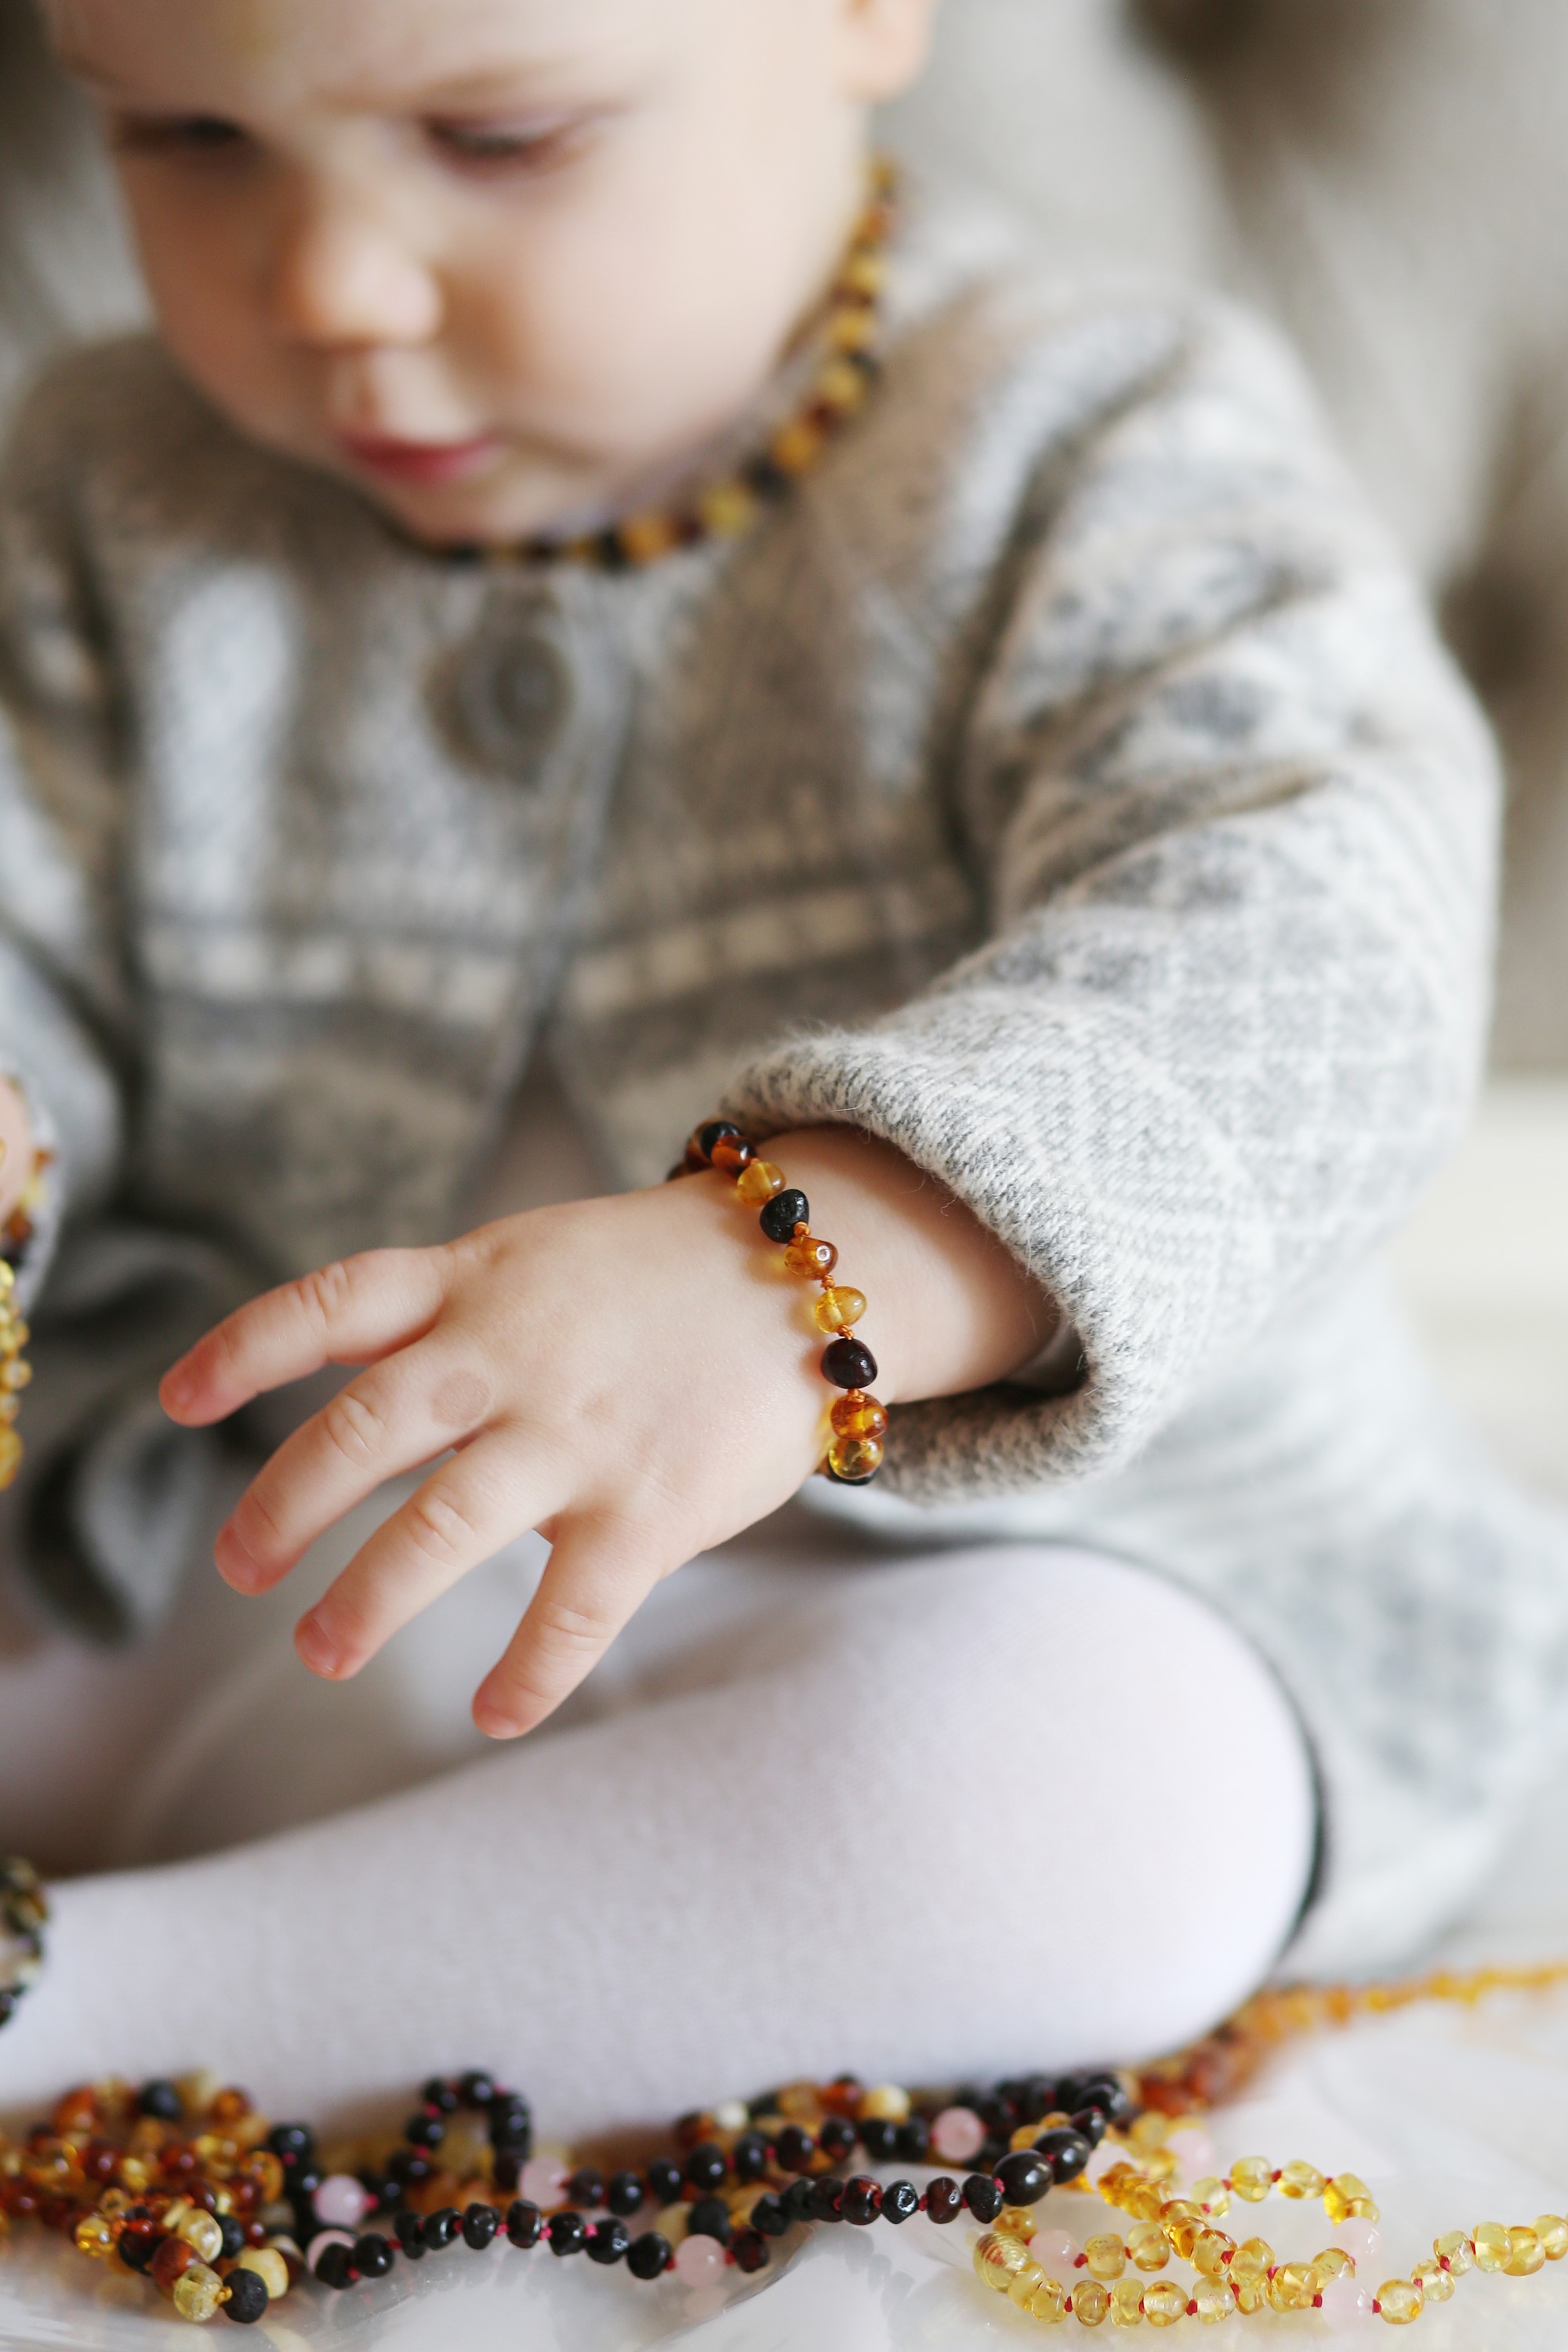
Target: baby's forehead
x=395 y=50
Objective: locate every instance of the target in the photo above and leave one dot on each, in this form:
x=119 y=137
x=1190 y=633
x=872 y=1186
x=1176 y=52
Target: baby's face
x=498 y=262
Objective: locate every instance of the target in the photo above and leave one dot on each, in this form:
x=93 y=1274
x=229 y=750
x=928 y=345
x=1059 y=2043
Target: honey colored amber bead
x=1434 y=2282
x=198 y=2295
x=1251 y=2294
x=1293 y=2287
x=727 y=510
x=859 y=1415
x=1347 y=2197
x=1215 y=2301
x=1455 y=2250
x=885 y=2101
x=1526 y=2253
x=1252 y=2260
x=1552 y=2231
x=1127 y=2303
x=1298 y=2179
x=998 y=2259
x=759 y=1181
x=10 y=1454
x=1148 y=2246
x=1213 y=2196
x=1164 y=2303
x=732 y=1155
x=1492 y=2250
x=1090 y=2302
x=1252 y=2177
x=1105 y=2255
x=1210 y=2247
x=1331 y=2264
x=854 y=1459
x=95 y=2237
x=1048 y=2303
x=268 y=2266
x=811 y=1257
x=1023 y=2283
x=1182 y=2222
x=1400 y=2301
x=203 y=2234
x=838 y=1309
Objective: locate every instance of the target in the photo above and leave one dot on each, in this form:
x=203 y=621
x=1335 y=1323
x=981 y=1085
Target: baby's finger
x=600 y=1573
x=386 y=1421
x=462 y=1515
x=351 y=1312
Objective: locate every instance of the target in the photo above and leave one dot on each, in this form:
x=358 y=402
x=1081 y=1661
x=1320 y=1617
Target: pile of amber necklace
x=225 y=2213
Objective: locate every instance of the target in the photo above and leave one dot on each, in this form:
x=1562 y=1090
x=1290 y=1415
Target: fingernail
x=179 y=1389
x=315 y=1647
x=494 y=1723
x=236 y=1566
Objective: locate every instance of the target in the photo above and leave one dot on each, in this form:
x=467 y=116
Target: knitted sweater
x=1064 y=782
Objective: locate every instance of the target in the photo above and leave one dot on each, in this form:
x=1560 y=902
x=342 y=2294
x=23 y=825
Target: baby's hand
x=637 y=1378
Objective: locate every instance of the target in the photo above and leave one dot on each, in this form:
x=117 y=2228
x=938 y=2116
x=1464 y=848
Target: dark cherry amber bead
x=506 y=2171
x=983 y=2197
x=1092 y=2123
x=827 y=2200
x=424 y=2130
x=945 y=2199
x=1025 y=2176
x=837 y=2138
x=649 y=2256
x=409 y=2227
x=247 y=2298
x=1066 y=2150
x=914 y=2141
x=476 y=2088
x=768 y=2215
x=793 y=2148
x=716 y=1132
x=587 y=2186
x=481 y=2224
x=900 y=2201
x=799 y=2200
x=173 y=2259
x=512 y=2124
x=664 y=2180
x=626 y=2193
x=567 y=2233
x=751 y=2251
x=290 y=2143
x=880 y=2138
x=373 y=2254
x=848 y=1364
x=706 y=2165
x=784 y=1213
x=336 y=2268
x=161 y=2101
x=732 y=1155
x=750 y=2156
x=1108 y=2094
x=440 y=2094
x=708 y=2218
x=139 y=2242
x=524 y=2224
x=441 y=2228
x=609 y=2241
x=862 y=2200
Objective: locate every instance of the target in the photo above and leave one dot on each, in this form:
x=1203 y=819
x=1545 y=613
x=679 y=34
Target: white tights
x=927 y=1818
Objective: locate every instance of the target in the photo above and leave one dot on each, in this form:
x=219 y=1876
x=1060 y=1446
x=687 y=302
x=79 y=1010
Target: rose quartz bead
x=958 y=2135
x=341 y=2202
x=1362 y=2241
x=699 y=2262
x=1343 y=2299
x=1192 y=2149
x=1108 y=2153
x=543 y=2181
x=1056 y=2254
x=321 y=2241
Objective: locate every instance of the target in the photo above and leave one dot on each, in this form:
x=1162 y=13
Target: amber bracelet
x=859 y=1421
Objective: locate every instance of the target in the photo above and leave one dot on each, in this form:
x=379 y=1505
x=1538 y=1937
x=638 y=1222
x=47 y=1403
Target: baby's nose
x=344 y=274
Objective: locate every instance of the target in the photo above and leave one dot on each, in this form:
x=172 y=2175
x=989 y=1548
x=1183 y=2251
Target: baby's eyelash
x=184 y=134
x=536 y=145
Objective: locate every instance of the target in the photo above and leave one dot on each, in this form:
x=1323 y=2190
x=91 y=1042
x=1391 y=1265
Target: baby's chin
x=481 y=493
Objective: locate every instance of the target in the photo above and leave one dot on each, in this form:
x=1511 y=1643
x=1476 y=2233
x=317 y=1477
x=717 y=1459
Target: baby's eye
x=176 y=134
x=534 y=146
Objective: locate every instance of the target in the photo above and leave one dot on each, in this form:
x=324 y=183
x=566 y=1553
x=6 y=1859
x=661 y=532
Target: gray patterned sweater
x=1065 y=784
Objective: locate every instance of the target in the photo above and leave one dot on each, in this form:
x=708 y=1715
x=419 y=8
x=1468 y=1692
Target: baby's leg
x=1000 y=1809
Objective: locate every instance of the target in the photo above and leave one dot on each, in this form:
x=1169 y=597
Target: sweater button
x=508 y=701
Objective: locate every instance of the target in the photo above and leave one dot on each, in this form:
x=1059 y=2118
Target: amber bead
x=1105 y=2255
x=848 y=1364
x=759 y=1182
x=1252 y=2177
x=246 y=2299
x=1164 y=2303
x=268 y=2265
x=853 y=1460
x=1331 y=2264
x=784 y=1213
x=859 y=1415
x=811 y=1257
x=1048 y=2302
x=714 y=1132
x=1252 y=2260
x=1148 y=2246
x=171 y=2261
x=732 y=1155
x=1210 y=2247
x=1347 y=2197
x=198 y=2294
x=1090 y=2302
x=1552 y=2231
x=1293 y=2287
x=945 y=2199
x=998 y=2259
x=1434 y=2282
x=1400 y=2301
x=1127 y=2303
x=1492 y=2248
x=838 y=1309
x=1213 y=2195
x=1250 y=2295
x=1298 y=2179
x=95 y=2237
x=1215 y=2301
x=203 y=2234
x=1526 y=2253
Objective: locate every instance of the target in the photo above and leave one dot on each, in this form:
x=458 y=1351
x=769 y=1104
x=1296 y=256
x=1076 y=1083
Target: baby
x=580 y=584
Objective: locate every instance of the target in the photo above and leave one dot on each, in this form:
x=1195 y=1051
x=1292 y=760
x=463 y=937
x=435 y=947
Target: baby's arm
x=636 y=1377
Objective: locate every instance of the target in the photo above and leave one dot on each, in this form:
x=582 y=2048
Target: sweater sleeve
x=1235 y=818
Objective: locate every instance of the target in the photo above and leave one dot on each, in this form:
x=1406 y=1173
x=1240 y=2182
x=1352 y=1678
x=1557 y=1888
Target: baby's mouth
x=421 y=463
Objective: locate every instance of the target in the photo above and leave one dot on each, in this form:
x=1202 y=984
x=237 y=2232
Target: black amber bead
x=425 y=2131
x=900 y=2201
x=880 y=2138
x=481 y=2224
x=567 y=2233
x=512 y=2124
x=799 y=2200
x=649 y=2255
x=335 y=2268
x=862 y=2200
x=995 y=2148
x=1106 y=2093
x=1066 y=2150
x=945 y=2199
x=608 y=2241
x=835 y=2138
x=442 y=2227
x=1025 y=2176
x=708 y=2218
x=768 y=2215
x=793 y=2148
x=983 y=2197
x=751 y=2251
x=477 y=2089
x=506 y=2169
x=233 y=2237
x=247 y=2298
x=409 y=2227
x=750 y=2157
x=1090 y=2121
x=707 y=2166
x=848 y=1364
x=914 y=2141
x=587 y=2187
x=718 y=1130
x=827 y=2200
x=440 y=2094
x=664 y=2180
x=783 y=1213
x=372 y=2256
x=161 y=2101
x=626 y=2193
x=384 y=2188
x=524 y=2224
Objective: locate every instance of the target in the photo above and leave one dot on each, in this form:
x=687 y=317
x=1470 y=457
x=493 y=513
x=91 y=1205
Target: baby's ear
x=885 y=44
